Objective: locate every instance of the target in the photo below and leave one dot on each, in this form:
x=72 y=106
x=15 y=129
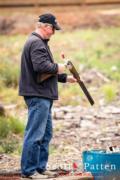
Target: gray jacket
x=36 y=60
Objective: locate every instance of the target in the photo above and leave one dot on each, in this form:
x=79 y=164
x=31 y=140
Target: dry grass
x=22 y=20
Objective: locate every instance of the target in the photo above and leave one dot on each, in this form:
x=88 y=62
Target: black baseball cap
x=50 y=19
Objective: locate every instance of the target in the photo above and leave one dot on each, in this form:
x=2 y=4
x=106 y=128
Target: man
x=37 y=62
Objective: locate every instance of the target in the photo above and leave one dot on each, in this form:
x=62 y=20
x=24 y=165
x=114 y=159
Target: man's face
x=49 y=30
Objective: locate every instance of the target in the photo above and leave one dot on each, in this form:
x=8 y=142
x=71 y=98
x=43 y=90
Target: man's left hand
x=71 y=79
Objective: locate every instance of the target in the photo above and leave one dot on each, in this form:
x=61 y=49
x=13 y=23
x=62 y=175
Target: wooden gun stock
x=43 y=77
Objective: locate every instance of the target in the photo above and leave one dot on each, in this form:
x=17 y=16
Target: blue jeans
x=38 y=134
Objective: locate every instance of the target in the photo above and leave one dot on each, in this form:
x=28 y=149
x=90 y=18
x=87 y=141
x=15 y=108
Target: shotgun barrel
x=75 y=74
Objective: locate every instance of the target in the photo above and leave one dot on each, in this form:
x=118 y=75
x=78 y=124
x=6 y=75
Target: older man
x=36 y=62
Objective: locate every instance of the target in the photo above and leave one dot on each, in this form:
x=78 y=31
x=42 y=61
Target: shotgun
x=75 y=74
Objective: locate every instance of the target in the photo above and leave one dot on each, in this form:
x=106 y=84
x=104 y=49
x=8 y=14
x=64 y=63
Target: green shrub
x=110 y=92
x=4 y=127
x=10 y=125
x=11 y=131
x=16 y=126
x=9 y=73
x=9 y=145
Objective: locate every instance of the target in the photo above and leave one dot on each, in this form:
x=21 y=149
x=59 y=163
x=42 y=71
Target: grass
x=70 y=94
x=90 y=49
x=10 y=49
x=87 y=49
x=94 y=48
x=9 y=124
x=110 y=92
x=11 y=132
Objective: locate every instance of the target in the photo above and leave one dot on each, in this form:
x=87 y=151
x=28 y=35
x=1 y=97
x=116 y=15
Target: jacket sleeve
x=40 y=59
x=62 y=78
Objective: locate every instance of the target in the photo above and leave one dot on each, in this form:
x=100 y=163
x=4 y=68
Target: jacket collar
x=36 y=34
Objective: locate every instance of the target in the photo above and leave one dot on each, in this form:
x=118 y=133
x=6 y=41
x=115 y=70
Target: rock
x=84 y=129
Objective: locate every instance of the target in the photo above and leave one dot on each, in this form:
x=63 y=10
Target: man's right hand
x=61 y=68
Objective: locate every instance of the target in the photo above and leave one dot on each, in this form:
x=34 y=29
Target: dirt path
x=76 y=129
x=71 y=17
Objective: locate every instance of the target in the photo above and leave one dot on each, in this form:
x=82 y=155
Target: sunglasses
x=50 y=25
